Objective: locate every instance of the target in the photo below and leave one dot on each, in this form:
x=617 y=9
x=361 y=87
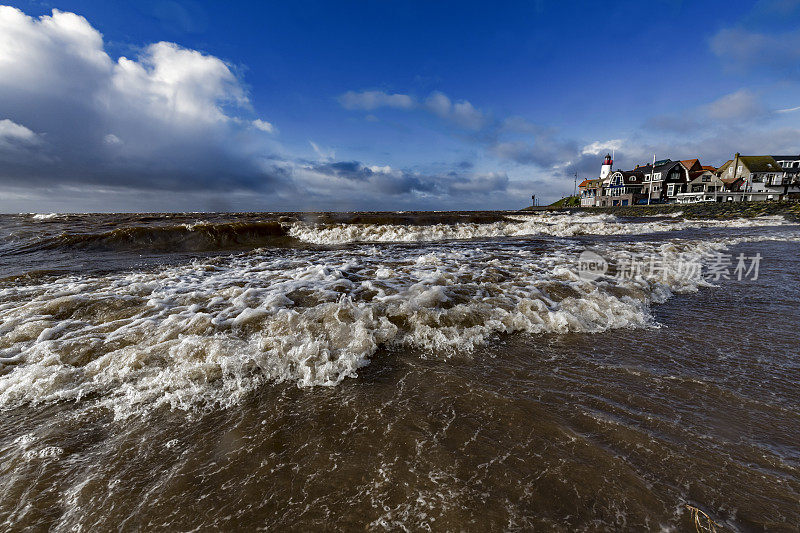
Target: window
x=647 y=177
x=739 y=169
x=670 y=189
x=657 y=176
x=706 y=179
x=730 y=170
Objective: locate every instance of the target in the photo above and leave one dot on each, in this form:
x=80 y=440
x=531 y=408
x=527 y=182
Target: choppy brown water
x=327 y=383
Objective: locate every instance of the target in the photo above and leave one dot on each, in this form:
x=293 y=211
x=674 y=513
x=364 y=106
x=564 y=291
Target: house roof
x=710 y=168
x=630 y=177
x=691 y=163
x=760 y=163
x=666 y=167
x=785 y=157
x=724 y=166
x=696 y=173
x=584 y=183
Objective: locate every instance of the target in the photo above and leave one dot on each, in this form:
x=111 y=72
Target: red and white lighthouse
x=605 y=170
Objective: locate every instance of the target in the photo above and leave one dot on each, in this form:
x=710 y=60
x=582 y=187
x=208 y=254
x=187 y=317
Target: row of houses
x=748 y=178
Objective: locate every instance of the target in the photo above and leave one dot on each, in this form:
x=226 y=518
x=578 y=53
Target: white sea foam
x=44 y=216
x=209 y=332
x=558 y=225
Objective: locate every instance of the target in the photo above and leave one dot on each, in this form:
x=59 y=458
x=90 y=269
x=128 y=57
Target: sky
x=183 y=105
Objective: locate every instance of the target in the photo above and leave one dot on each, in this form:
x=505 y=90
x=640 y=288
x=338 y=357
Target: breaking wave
x=210 y=332
x=285 y=231
x=558 y=225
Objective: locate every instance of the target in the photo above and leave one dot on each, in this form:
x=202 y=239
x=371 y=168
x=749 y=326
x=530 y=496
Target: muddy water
x=310 y=373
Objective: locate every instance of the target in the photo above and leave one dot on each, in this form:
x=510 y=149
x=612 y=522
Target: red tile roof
x=689 y=163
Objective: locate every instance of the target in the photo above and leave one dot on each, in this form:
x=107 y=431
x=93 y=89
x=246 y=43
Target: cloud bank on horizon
x=175 y=128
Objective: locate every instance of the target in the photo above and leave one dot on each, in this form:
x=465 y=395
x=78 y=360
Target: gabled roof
x=666 y=165
x=724 y=166
x=695 y=173
x=710 y=168
x=586 y=184
x=691 y=164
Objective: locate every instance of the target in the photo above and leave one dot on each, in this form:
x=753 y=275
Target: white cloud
x=439 y=104
x=597 y=147
x=263 y=125
x=462 y=113
x=742 y=104
x=467 y=116
x=370 y=100
x=322 y=154
x=112 y=139
x=788 y=110
x=11 y=132
x=176 y=109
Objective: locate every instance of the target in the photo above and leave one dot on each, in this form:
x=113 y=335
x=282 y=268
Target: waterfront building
x=703 y=186
x=757 y=177
x=589 y=192
x=624 y=188
x=664 y=181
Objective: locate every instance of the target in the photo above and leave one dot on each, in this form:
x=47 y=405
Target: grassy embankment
x=567 y=201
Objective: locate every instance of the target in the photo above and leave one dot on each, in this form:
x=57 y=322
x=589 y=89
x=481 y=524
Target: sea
x=454 y=371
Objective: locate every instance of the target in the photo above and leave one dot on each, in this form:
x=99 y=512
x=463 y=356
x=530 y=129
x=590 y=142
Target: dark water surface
x=377 y=374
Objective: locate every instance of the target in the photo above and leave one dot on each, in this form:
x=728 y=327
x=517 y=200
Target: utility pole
x=575 y=188
x=652 y=177
x=735 y=170
x=716 y=187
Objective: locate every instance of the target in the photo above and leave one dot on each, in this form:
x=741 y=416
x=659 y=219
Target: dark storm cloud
x=395 y=182
x=352 y=170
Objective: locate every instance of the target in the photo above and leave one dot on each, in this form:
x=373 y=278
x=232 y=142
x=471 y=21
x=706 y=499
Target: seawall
x=790 y=210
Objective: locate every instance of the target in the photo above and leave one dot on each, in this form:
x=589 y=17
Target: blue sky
x=379 y=105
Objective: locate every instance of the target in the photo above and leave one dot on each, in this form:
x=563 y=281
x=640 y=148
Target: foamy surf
x=555 y=225
x=210 y=332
